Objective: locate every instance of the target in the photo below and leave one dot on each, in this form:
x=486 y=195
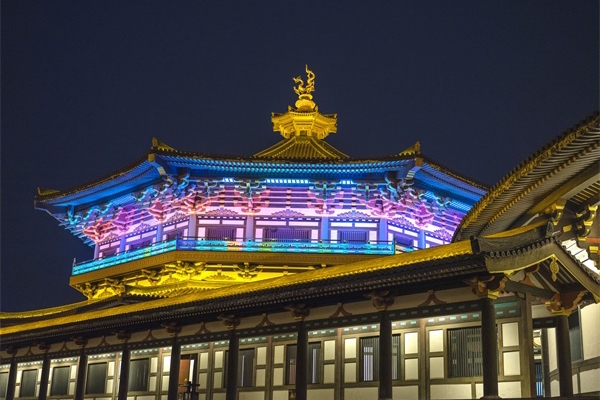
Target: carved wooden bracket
x=122 y=335
x=80 y=341
x=564 y=303
x=173 y=328
x=43 y=346
x=488 y=286
x=584 y=222
x=381 y=300
x=230 y=320
x=12 y=350
x=299 y=311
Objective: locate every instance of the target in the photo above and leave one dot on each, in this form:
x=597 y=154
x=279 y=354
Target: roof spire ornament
x=303 y=128
x=305 y=102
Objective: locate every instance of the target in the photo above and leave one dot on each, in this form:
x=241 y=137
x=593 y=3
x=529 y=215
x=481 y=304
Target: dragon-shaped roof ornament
x=305 y=102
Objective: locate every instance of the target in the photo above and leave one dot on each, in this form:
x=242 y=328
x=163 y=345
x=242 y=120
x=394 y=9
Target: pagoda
x=303 y=273
x=175 y=222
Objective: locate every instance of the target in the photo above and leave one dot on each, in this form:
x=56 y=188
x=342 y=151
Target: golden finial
x=310 y=83
x=304 y=92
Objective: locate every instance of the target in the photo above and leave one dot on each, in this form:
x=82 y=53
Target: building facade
x=303 y=273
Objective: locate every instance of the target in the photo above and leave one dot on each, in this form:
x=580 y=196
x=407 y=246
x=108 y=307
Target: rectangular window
x=539 y=379
x=245 y=367
x=3 y=384
x=28 y=382
x=220 y=233
x=286 y=234
x=96 y=379
x=60 y=381
x=138 y=375
x=369 y=358
x=291 y=358
x=175 y=234
x=314 y=363
x=464 y=352
x=396 y=357
x=353 y=236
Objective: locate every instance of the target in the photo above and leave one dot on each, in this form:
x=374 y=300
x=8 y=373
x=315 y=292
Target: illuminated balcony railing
x=251 y=245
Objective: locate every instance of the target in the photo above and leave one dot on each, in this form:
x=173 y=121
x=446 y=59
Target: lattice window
x=286 y=234
x=220 y=233
x=353 y=236
x=464 y=352
x=369 y=358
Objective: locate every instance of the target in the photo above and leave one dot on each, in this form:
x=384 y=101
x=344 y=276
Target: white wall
x=590 y=331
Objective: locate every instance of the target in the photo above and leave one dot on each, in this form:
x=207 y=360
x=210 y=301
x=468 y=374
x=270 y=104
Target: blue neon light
x=257 y=245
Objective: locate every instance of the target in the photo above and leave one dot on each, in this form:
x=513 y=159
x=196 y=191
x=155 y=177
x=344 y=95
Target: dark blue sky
x=86 y=85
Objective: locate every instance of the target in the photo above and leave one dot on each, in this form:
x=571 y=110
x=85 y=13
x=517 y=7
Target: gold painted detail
x=304 y=122
x=176 y=278
x=305 y=102
x=584 y=222
x=555 y=211
x=554 y=268
x=248 y=271
x=564 y=303
x=488 y=286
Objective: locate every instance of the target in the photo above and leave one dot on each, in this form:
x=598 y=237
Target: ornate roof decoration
x=141 y=227
x=287 y=213
x=443 y=234
x=353 y=214
x=303 y=128
x=414 y=150
x=178 y=215
x=158 y=145
x=221 y=212
x=403 y=221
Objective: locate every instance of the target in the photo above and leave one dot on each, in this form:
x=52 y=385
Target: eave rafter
x=540 y=266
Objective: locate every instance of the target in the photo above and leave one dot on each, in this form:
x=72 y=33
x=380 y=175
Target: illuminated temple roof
x=531 y=221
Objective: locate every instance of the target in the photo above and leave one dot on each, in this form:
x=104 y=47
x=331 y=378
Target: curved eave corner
x=473 y=225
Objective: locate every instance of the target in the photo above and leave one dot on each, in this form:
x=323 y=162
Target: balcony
x=250 y=245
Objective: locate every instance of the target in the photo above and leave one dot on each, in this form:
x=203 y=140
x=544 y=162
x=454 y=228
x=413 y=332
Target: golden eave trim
x=525 y=168
x=361 y=267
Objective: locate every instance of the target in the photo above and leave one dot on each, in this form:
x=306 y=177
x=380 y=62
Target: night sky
x=87 y=84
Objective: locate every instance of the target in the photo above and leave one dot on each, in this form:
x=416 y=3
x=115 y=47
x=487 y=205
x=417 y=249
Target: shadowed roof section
x=554 y=172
